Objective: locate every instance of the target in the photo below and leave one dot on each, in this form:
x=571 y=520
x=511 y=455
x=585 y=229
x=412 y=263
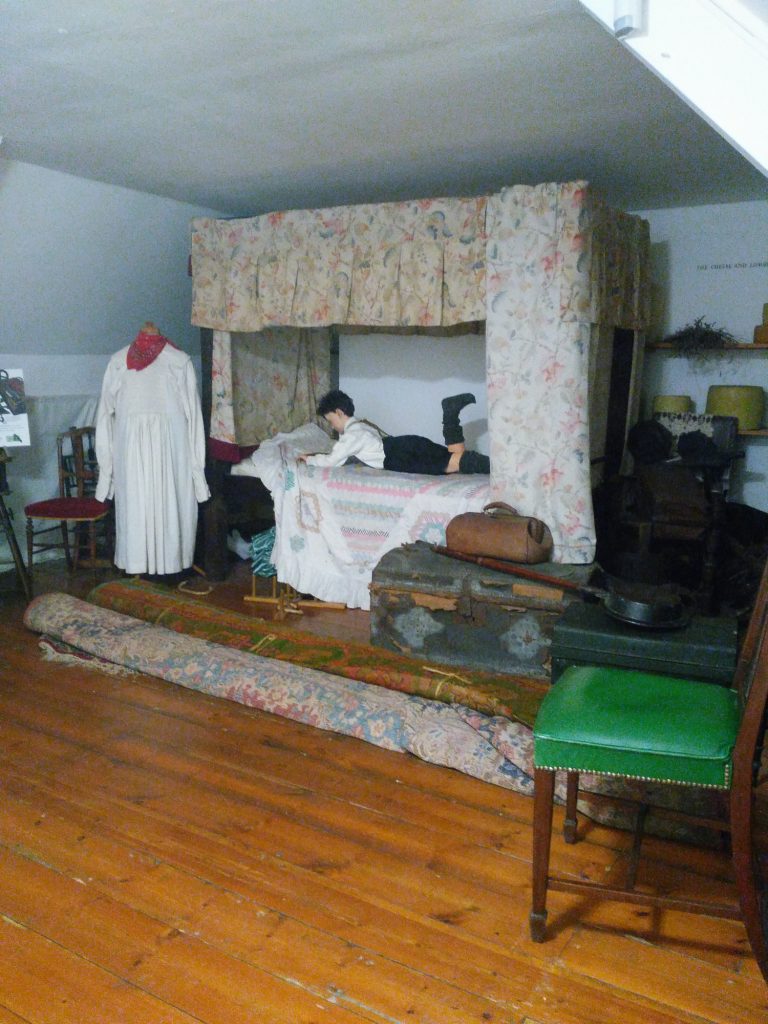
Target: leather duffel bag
x=499 y=531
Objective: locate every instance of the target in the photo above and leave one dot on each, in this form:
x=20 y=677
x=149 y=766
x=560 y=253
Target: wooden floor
x=170 y=857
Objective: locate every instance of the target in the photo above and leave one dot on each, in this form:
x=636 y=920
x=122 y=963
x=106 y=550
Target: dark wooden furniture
x=677 y=510
x=237 y=502
x=666 y=730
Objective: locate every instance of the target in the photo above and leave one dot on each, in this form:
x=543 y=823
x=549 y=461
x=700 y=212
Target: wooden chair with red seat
x=75 y=506
x=660 y=729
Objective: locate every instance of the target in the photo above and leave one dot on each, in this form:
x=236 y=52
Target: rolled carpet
x=493 y=749
x=515 y=697
x=488 y=747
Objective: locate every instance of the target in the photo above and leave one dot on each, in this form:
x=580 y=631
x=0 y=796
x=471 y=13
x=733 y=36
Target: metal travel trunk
x=705 y=649
x=426 y=604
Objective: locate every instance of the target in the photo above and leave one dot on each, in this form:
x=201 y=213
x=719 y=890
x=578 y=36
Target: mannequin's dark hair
x=334 y=400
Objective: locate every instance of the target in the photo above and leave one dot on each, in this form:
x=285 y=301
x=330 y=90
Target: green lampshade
x=743 y=401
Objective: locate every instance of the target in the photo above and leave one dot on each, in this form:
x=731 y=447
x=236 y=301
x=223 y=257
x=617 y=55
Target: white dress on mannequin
x=150 y=446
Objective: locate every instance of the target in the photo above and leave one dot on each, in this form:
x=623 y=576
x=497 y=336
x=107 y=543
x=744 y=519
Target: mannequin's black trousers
x=410 y=453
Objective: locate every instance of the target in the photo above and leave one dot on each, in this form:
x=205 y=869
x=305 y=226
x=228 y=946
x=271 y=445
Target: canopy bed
x=549 y=268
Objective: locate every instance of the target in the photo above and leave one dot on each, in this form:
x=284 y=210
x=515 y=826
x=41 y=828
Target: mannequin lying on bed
x=405 y=453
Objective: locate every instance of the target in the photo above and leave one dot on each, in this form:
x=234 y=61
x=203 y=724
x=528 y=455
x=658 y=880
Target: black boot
x=452 y=406
x=474 y=462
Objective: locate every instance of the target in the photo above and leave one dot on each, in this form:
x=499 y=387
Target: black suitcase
x=705 y=649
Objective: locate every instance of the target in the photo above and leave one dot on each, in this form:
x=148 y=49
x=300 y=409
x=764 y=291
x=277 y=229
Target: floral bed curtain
x=541 y=264
x=389 y=264
x=264 y=383
x=551 y=274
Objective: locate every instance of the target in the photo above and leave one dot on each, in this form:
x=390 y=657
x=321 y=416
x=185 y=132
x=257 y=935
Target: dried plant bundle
x=700 y=336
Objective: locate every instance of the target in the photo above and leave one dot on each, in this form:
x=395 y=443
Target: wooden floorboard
x=166 y=856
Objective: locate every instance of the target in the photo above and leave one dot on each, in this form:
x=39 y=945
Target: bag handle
x=502 y=506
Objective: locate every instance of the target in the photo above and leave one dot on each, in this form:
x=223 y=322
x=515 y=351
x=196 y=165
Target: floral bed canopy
x=542 y=265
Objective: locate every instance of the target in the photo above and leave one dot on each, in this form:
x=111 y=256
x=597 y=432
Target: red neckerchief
x=144 y=350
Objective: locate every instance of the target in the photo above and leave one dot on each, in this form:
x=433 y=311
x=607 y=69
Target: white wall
x=398 y=381
x=712 y=262
x=84 y=265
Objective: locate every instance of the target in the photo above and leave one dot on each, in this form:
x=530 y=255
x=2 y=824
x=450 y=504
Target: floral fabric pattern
x=267 y=383
x=430 y=729
x=222 y=391
x=537 y=356
x=293 y=366
x=389 y=264
x=508 y=696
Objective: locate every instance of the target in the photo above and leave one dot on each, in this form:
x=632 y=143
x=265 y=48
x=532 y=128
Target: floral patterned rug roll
x=515 y=697
x=488 y=748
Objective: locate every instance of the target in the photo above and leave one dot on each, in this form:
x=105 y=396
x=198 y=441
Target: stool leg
x=571 y=799
x=543 y=799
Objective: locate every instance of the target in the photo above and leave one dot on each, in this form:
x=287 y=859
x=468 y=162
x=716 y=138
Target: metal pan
x=649 y=607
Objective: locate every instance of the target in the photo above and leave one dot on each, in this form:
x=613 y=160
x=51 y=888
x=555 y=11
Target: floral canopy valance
x=418 y=263
x=389 y=264
x=542 y=265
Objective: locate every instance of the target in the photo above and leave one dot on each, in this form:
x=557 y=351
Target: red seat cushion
x=67 y=508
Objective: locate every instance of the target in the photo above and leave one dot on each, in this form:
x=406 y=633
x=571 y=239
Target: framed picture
x=14 y=423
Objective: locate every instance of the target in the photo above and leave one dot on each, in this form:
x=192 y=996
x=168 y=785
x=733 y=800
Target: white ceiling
x=245 y=106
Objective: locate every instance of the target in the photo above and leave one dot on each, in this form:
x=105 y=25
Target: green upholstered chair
x=663 y=729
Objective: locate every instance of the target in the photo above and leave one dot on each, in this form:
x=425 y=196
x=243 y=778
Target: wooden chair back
x=78 y=468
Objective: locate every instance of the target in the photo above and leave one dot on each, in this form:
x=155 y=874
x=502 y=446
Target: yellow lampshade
x=673 y=403
x=743 y=401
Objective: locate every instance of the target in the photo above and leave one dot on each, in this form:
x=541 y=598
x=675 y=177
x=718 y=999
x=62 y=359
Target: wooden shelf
x=744 y=346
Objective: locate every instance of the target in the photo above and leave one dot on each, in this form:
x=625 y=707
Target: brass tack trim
x=641 y=778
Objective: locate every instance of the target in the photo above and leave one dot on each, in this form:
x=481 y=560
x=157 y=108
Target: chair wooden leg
x=751 y=881
x=571 y=799
x=65 y=543
x=77 y=543
x=543 y=799
x=30 y=548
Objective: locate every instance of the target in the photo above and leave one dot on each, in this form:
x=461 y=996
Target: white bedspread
x=334 y=525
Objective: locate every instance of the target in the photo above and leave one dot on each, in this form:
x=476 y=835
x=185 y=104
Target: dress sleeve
x=105 y=427
x=196 y=433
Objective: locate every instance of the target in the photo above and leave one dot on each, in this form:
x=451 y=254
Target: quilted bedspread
x=334 y=525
